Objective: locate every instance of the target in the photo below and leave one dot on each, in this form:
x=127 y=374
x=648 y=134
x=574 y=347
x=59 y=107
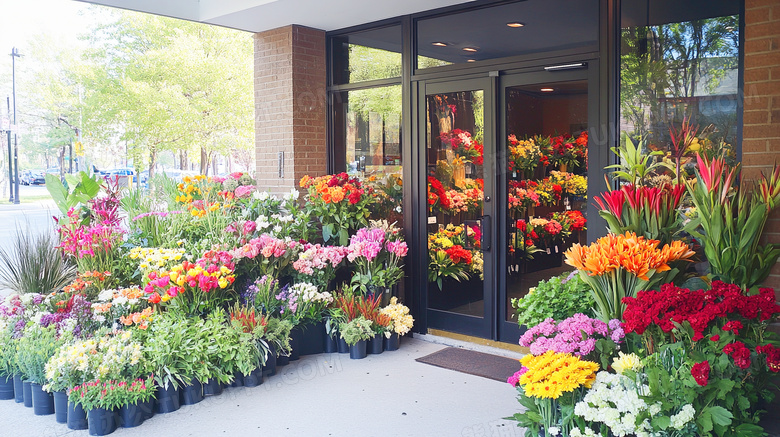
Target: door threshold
x=475 y=343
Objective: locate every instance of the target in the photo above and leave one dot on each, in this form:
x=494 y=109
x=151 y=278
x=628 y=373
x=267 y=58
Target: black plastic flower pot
x=102 y=421
x=311 y=340
x=357 y=351
x=375 y=345
x=253 y=379
x=77 y=417
x=192 y=394
x=18 y=389
x=269 y=368
x=6 y=387
x=168 y=399
x=28 y=400
x=282 y=360
x=61 y=406
x=343 y=347
x=43 y=402
x=295 y=343
x=212 y=387
x=149 y=408
x=331 y=345
x=132 y=415
x=238 y=380
x=392 y=343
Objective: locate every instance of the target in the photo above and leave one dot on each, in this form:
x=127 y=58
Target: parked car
x=25 y=176
x=36 y=177
x=111 y=174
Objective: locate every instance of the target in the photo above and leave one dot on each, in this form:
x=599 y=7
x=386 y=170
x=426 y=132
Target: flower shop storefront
x=487 y=129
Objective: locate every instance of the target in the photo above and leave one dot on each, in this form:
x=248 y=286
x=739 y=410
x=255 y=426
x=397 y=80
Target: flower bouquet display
x=318 y=264
x=266 y=255
x=524 y=155
x=730 y=221
x=462 y=143
x=618 y=266
x=565 y=152
x=401 y=322
x=194 y=288
x=549 y=385
x=437 y=195
x=447 y=256
x=522 y=197
x=340 y=202
x=376 y=252
x=650 y=212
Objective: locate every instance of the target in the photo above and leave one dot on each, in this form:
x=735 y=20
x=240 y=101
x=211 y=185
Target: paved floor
x=329 y=395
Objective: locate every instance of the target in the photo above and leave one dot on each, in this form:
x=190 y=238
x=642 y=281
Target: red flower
x=772 y=356
x=715 y=338
x=701 y=373
x=733 y=326
x=739 y=353
x=154 y=298
x=458 y=253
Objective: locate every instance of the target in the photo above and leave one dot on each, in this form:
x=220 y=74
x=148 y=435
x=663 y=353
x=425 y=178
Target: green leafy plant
x=134 y=391
x=356 y=330
x=80 y=189
x=730 y=221
x=277 y=334
x=635 y=166
x=170 y=348
x=8 y=365
x=34 y=264
x=96 y=394
x=559 y=297
x=34 y=349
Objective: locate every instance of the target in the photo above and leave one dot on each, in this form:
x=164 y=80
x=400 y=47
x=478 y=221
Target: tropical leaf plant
x=634 y=166
x=80 y=189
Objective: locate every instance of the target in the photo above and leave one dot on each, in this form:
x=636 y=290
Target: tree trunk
x=204 y=161
x=183 y=160
x=152 y=161
x=214 y=167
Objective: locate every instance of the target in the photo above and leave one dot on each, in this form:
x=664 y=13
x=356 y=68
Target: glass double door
x=506 y=173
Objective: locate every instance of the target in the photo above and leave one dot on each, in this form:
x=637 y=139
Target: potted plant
x=381 y=324
x=167 y=347
x=7 y=361
x=250 y=352
x=101 y=401
x=401 y=322
x=355 y=333
x=136 y=399
x=34 y=349
x=277 y=337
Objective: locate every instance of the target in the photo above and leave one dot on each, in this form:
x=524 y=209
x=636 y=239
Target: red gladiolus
x=701 y=373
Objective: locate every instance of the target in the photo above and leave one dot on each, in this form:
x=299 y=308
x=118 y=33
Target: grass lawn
x=27 y=199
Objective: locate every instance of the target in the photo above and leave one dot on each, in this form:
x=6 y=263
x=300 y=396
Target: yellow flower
x=551 y=374
x=222 y=282
x=624 y=362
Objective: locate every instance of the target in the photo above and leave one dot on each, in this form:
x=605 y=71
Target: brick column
x=290 y=106
x=761 y=117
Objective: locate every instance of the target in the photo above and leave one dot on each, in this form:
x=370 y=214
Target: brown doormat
x=474 y=363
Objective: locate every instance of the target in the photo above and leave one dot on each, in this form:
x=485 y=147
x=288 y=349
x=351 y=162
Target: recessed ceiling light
x=469 y=49
x=471 y=60
x=440 y=44
x=515 y=24
x=547 y=90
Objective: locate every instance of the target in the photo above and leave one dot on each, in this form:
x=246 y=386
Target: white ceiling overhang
x=261 y=15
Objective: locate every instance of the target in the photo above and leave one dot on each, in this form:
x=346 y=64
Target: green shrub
x=556 y=297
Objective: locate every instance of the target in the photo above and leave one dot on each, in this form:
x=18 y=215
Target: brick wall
x=761 y=126
x=290 y=105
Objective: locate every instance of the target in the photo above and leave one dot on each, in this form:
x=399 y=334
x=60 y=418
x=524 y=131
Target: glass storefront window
x=368 y=134
x=369 y=55
x=547 y=180
x=532 y=26
x=680 y=63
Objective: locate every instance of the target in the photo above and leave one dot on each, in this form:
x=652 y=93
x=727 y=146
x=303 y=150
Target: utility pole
x=10 y=157
x=15 y=54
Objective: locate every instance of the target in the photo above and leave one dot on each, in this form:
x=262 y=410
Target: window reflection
x=678 y=69
x=369 y=55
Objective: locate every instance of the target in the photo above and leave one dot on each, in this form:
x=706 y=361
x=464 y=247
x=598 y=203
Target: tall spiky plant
x=34 y=264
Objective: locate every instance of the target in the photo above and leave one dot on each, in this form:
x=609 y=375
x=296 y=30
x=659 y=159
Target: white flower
x=682 y=418
x=398 y=209
x=260 y=195
x=277 y=229
x=121 y=300
x=554 y=430
x=292 y=195
x=286 y=218
x=262 y=222
x=106 y=295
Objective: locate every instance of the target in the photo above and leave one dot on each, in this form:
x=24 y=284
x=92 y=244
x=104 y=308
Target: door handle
x=485 y=238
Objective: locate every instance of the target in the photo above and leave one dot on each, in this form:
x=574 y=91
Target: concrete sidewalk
x=329 y=395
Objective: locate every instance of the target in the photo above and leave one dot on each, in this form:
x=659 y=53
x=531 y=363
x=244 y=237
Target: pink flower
x=243 y=191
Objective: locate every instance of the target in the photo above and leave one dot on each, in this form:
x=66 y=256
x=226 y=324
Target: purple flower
x=575 y=335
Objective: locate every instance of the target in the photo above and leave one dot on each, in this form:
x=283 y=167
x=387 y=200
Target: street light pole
x=10 y=158
x=15 y=54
